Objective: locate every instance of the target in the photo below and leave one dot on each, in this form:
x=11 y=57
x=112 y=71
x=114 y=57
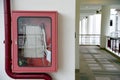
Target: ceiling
x=90 y=9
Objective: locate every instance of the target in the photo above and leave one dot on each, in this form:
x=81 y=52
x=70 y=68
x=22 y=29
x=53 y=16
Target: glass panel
x=90 y=30
x=34 y=41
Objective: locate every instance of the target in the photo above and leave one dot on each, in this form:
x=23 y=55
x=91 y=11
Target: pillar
x=77 y=35
x=118 y=14
x=105 y=21
x=88 y=30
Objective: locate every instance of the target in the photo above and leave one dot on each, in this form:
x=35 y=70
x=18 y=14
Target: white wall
x=66 y=30
x=3 y=75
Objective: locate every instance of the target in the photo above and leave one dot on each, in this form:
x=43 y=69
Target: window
x=90 y=30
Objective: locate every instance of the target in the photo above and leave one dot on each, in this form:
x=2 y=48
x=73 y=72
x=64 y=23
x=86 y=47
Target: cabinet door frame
x=34 y=14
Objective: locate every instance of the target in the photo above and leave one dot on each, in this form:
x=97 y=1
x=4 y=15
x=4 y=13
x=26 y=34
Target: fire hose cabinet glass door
x=34 y=41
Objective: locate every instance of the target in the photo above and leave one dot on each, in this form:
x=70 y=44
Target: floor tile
x=95 y=68
x=98 y=56
x=103 y=61
x=108 y=65
x=111 y=69
x=117 y=78
x=102 y=78
x=91 y=61
x=93 y=64
x=87 y=56
x=98 y=65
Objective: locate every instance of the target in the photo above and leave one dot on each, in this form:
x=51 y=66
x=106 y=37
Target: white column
x=118 y=13
x=81 y=30
x=105 y=20
x=88 y=29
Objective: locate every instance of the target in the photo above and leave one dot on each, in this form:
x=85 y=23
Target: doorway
x=86 y=39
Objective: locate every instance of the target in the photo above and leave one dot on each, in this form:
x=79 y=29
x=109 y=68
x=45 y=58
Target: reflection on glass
x=34 y=42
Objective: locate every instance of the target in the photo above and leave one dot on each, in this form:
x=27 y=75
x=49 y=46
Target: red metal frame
x=8 y=64
x=50 y=14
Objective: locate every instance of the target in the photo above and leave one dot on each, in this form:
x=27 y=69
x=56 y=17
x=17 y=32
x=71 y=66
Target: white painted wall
x=3 y=75
x=66 y=30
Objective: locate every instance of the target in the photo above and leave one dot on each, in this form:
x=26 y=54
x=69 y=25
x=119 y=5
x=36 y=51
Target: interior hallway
x=97 y=64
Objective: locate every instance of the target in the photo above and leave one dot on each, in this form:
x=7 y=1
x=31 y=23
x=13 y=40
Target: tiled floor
x=97 y=64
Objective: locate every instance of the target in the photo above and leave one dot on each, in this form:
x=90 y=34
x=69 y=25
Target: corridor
x=97 y=64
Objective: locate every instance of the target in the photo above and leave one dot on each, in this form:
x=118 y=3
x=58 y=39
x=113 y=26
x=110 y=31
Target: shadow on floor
x=97 y=64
